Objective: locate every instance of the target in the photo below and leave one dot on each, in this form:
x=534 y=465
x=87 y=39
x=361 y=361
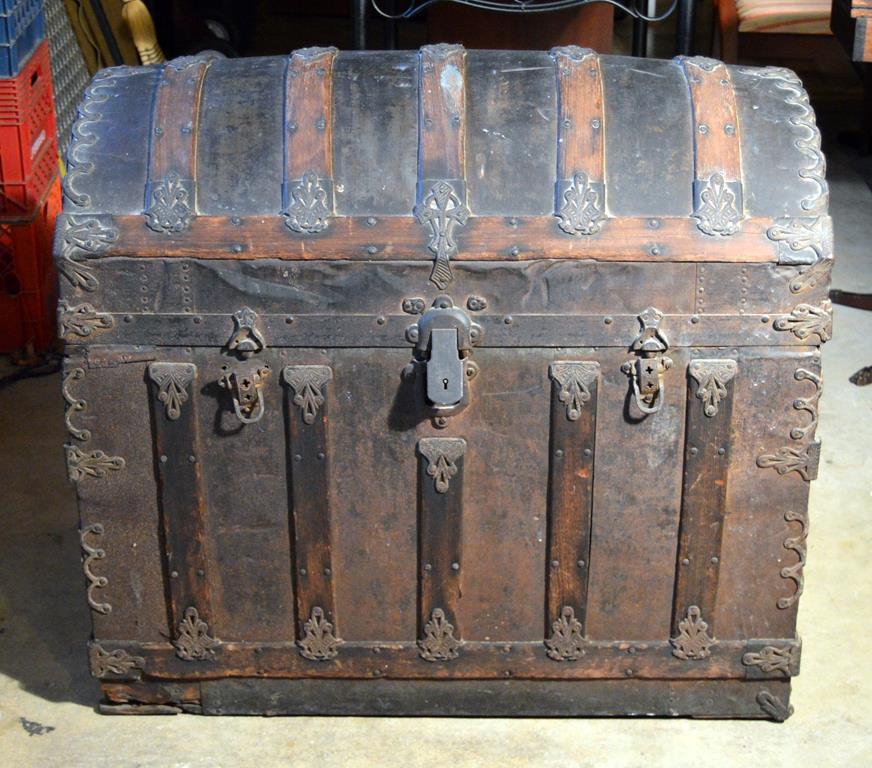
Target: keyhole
x=444 y=383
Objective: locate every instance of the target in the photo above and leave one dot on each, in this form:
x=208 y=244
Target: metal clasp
x=246 y=338
x=646 y=371
x=443 y=338
x=245 y=388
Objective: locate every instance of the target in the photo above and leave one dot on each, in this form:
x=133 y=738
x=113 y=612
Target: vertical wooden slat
x=440 y=486
x=307 y=190
x=704 y=491
x=171 y=190
x=570 y=503
x=306 y=418
x=441 y=199
x=580 y=195
x=182 y=501
x=717 y=188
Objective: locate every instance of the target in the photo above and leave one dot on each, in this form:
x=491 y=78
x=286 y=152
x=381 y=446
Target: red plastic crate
x=28 y=283
x=19 y=199
x=27 y=128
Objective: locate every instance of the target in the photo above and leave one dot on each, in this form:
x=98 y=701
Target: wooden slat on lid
x=307 y=191
x=171 y=191
x=580 y=188
x=441 y=196
x=717 y=187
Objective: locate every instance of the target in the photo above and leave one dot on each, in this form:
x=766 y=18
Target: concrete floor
x=47 y=698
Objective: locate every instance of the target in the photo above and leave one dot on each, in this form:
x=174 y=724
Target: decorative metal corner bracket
x=246 y=338
x=807 y=320
x=567 y=641
x=693 y=641
x=81 y=320
x=309 y=205
x=804 y=460
x=308 y=381
x=92 y=555
x=171 y=206
x=173 y=381
x=193 y=642
x=581 y=205
x=717 y=205
x=773 y=706
x=802 y=240
x=319 y=643
x=74 y=404
x=438 y=643
x=797 y=545
x=712 y=377
x=442 y=209
x=95 y=464
x=113 y=664
x=572 y=52
x=808 y=404
x=575 y=380
x=441 y=454
x=84 y=237
x=773 y=659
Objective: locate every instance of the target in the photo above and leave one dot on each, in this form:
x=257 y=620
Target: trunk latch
x=443 y=338
x=647 y=369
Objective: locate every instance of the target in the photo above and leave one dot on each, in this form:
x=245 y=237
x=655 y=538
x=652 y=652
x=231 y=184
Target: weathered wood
x=580 y=117
x=482 y=239
x=442 y=116
x=703 y=495
x=570 y=488
x=182 y=502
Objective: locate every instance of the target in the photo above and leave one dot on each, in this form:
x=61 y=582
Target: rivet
x=631 y=650
x=320 y=456
x=587 y=452
x=158 y=131
x=237 y=248
x=721 y=451
x=595 y=124
x=455 y=119
x=607 y=320
x=558 y=453
x=292 y=126
x=654 y=250
x=236 y=221
x=515 y=250
x=380 y=320
x=298 y=457
x=513 y=222
x=729 y=129
x=555 y=563
x=303 y=572
x=201 y=572
x=321 y=124
x=186 y=129
x=764 y=319
x=715 y=561
x=192 y=459
x=174 y=574
x=163 y=459
x=289 y=320
x=507 y=649
x=703 y=128
x=580 y=563
x=567 y=122
x=694 y=319
x=455 y=566
x=694 y=451
x=328 y=572
x=376 y=649
x=507 y=672
x=508 y=320
x=653 y=223
x=371 y=250
x=685 y=561
x=128 y=318
x=428 y=123
x=371 y=221
x=629 y=672
x=428 y=567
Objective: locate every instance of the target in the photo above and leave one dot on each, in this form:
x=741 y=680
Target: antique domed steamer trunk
x=444 y=382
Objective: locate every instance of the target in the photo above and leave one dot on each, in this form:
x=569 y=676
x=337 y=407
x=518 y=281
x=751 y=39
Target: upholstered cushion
x=802 y=17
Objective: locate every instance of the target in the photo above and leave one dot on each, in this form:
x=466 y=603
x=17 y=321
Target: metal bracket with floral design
x=442 y=454
x=94 y=553
x=171 y=204
x=717 y=205
x=193 y=642
x=173 y=381
x=567 y=641
x=443 y=209
x=96 y=464
x=81 y=320
x=807 y=320
x=246 y=338
x=693 y=641
x=308 y=383
x=581 y=209
x=439 y=642
x=309 y=205
x=81 y=238
x=117 y=664
x=319 y=643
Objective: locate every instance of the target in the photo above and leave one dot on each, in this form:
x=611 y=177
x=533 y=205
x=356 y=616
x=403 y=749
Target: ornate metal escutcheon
x=444 y=337
x=246 y=338
x=245 y=386
x=646 y=371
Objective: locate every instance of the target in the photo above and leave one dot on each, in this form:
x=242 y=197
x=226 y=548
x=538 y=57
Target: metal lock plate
x=245 y=387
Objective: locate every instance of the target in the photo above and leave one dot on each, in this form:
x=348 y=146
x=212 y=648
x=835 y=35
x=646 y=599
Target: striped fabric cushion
x=798 y=17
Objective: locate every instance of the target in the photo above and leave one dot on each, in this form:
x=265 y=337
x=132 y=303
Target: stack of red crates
x=30 y=200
